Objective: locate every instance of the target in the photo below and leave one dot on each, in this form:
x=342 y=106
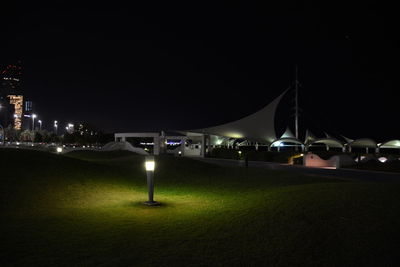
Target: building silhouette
x=11 y=97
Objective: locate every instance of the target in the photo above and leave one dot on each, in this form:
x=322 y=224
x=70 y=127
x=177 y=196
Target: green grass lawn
x=84 y=209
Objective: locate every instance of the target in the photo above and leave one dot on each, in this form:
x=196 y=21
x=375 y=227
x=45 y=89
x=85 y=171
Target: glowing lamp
x=59 y=149
x=150 y=166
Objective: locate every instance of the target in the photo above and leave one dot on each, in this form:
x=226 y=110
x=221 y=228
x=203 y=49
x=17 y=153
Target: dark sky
x=182 y=67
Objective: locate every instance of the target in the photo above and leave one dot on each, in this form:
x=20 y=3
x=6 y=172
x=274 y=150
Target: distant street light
x=33 y=121
x=70 y=128
x=150 y=166
x=59 y=150
x=55 y=127
x=40 y=124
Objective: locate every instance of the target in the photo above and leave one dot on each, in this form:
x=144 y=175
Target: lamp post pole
x=150 y=166
x=150 y=185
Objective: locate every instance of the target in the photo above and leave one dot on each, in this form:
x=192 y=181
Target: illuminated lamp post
x=150 y=166
x=33 y=121
x=40 y=124
x=55 y=127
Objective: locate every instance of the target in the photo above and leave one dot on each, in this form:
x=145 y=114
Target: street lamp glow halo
x=150 y=165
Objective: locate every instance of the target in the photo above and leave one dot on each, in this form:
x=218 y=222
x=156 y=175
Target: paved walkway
x=332 y=173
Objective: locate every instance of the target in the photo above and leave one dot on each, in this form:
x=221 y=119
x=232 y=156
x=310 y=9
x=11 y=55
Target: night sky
x=183 y=67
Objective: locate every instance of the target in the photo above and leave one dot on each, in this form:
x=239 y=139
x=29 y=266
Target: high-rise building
x=26 y=118
x=10 y=80
x=18 y=102
x=28 y=106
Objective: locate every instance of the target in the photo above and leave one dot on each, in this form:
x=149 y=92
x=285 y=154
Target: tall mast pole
x=296 y=107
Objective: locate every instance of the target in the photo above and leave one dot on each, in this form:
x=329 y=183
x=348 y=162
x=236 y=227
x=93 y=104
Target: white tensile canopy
x=257 y=127
x=310 y=137
x=363 y=142
x=330 y=142
x=390 y=144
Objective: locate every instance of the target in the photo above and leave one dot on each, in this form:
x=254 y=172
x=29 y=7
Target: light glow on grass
x=68 y=211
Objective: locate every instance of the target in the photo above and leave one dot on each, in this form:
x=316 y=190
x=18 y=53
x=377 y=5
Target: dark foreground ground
x=85 y=209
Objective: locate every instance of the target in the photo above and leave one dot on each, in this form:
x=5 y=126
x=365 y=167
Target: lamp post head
x=33 y=116
x=150 y=164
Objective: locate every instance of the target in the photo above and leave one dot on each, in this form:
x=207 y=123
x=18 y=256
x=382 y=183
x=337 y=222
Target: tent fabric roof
x=331 y=142
x=328 y=136
x=390 y=144
x=348 y=140
x=363 y=142
x=287 y=134
x=258 y=127
x=285 y=140
x=309 y=137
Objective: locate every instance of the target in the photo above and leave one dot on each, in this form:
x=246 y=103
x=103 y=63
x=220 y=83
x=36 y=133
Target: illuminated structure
x=28 y=111
x=70 y=128
x=18 y=102
x=28 y=106
x=10 y=77
x=254 y=130
x=10 y=89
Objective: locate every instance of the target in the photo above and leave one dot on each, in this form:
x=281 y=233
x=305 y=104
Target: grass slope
x=86 y=210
